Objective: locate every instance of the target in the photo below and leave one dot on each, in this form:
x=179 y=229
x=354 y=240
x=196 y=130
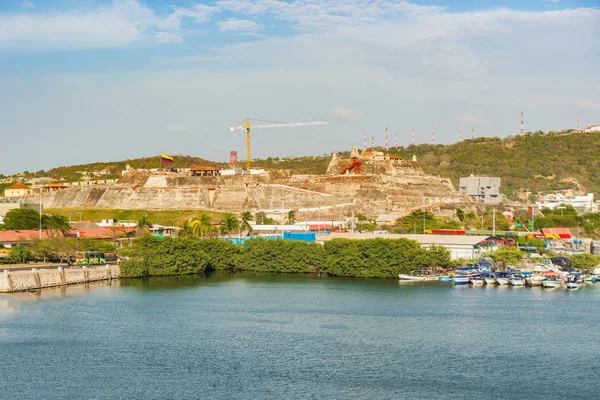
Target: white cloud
x=199 y=12
x=167 y=37
x=26 y=4
x=233 y=24
x=121 y=23
x=177 y=128
x=346 y=113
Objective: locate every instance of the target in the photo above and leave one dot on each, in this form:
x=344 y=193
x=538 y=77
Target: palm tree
x=291 y=218
x=56 y=224
x=201 y=226
x=144 y=221
x=230 y=224
x=246 y=217
x=186 y=230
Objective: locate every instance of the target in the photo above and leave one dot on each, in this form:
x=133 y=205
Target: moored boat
x=489 y=279
x=502 y=278
x=460 y=279
x=552 y=281
x=517 y=280
x=419 y=276
x=477 y=280
x=534 y=280
x=574 y=281
x=445 y=278
x=590 y=279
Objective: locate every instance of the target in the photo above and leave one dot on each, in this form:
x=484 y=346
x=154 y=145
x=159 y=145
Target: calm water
x=266 y=336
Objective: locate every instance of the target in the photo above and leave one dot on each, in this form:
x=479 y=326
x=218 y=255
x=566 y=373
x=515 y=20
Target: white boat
x=590 y=279
x=460 y=279
x=573 y=281
x=534 y=280
x=517 y=280
x=477 y=280
x=502 y=279
x=419 y=275
x=552 y=283
x=489 y=280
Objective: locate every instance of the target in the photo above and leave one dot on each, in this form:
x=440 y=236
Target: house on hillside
x=593 y=128
x=17 y=190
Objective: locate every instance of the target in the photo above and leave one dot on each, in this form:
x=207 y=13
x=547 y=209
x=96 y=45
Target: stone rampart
x=17 y=281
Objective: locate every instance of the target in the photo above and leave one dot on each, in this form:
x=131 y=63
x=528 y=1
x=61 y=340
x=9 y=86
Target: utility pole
x=318 y=220
x=282 y=220
x=40 y=212
x=494 y=222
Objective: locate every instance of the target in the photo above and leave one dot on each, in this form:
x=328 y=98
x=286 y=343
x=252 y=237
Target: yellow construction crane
x=272 y=125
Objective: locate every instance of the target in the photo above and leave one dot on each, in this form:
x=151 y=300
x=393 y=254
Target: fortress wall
x=15 y=281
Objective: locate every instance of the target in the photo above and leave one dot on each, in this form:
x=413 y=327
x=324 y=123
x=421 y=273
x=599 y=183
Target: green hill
x=536 y=161
x=113 y=169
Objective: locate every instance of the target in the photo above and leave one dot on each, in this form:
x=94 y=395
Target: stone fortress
x=370 y=182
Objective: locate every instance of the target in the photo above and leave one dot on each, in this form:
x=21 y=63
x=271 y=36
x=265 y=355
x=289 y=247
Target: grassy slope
x=164 y=217
x=114 y=168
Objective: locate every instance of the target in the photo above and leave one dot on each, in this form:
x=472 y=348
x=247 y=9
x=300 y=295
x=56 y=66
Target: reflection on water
x=253 y=335
x=58 y=292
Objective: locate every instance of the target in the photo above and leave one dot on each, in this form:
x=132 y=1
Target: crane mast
x=246 y=127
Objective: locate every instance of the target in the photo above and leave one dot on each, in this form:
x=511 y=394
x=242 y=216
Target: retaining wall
x=16 y=281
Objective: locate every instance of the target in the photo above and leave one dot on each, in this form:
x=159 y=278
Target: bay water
x=253 y=336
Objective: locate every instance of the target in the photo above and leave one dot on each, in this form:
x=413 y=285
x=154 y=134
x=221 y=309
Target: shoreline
x=35 y=279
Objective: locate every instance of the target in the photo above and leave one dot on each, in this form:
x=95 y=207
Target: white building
x=582 y=204
x=593 y=128
x=108 y=223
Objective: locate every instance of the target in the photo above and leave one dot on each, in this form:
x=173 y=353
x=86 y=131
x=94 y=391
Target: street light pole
x=40 y=209
x=282 y=220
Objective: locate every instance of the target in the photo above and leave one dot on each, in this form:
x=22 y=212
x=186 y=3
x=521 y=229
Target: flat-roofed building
x=482 y=188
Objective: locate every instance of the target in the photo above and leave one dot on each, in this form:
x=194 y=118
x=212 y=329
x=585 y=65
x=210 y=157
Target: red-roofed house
x=17 y=190
x=12 y=238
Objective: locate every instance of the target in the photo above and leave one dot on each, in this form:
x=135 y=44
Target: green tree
x=21 y=219
x=55 y=224
x=201 y=226
x=245 y=218
x=507 y=256
x=144 y=221
x=20 y=253
x=585 y=261
x=42 y=249
x=291 y=217
x=460 y=214
x=186 y=230
x=230 y=224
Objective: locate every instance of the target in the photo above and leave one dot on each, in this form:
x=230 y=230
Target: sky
x=84 y=80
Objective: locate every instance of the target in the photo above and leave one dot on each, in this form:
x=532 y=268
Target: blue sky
x=84 y=81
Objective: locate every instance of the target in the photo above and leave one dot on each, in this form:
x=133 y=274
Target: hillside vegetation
x=536 y=161
x=161 y=217
x=113 y=168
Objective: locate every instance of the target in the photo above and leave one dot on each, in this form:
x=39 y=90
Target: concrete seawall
x=17 y=281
